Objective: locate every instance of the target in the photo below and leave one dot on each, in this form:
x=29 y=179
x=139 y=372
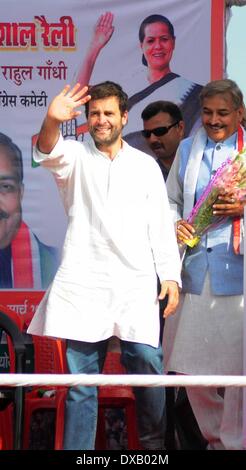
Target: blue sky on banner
x=236 y=42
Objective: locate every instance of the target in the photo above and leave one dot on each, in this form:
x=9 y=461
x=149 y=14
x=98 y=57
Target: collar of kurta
x=103 y=154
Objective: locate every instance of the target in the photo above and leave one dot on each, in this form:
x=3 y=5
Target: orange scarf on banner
x=22 y=259
x=236 y=220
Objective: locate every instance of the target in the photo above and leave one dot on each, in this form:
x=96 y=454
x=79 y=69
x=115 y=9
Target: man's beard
x=107 y=141
x=159 y=151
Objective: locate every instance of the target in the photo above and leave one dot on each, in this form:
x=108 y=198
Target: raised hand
x=65 y=105
x=103 y=30
x=62 y=108
x=102 y=33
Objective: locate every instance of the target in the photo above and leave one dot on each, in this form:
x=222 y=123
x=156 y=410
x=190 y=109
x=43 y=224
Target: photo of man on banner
x=25 y=262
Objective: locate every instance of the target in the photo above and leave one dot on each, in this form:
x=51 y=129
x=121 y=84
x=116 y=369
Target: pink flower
x=230 y=177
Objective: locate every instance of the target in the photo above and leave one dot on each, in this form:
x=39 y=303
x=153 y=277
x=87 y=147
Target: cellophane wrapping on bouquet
x=229 y=178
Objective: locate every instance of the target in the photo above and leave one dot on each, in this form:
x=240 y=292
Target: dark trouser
x=81 y=403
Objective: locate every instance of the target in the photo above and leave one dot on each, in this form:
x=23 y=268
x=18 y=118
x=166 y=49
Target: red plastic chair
x=19 y=321
x=11 y=415
x=35 y=403
x=108 y=397
x=49 y=355
x=49 y=358
x=116 y=397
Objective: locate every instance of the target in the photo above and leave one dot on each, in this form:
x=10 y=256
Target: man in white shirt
x=119 y=236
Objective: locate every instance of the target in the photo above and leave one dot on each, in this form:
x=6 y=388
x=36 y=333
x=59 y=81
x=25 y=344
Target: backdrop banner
x=42 y=48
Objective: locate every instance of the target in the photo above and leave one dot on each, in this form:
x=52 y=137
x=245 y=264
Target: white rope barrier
x=19 y=380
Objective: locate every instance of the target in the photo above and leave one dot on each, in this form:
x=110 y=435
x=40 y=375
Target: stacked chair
x=12 y=399
x=50 y=358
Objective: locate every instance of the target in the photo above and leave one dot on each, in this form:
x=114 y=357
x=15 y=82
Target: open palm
x=103 y=30
x=65 y=105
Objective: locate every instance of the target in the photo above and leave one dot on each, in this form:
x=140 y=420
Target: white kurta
x=119 y=235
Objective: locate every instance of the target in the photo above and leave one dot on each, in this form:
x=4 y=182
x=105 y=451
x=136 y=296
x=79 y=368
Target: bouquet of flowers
x=230 y=176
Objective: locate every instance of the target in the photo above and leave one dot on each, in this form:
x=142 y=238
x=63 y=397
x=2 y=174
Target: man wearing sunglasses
x=163 y=130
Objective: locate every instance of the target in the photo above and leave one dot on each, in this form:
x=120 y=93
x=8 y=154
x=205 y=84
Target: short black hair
x=106 y=90
x=162 y=106
x=15 y=154
x=154 y=19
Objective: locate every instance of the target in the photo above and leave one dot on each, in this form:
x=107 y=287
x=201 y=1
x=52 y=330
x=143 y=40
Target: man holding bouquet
x=206 y=334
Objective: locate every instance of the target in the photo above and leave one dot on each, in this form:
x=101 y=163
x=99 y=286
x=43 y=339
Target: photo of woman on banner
x=25 y=262
x=153 y=81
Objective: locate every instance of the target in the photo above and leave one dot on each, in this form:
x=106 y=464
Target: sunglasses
x=158 y=131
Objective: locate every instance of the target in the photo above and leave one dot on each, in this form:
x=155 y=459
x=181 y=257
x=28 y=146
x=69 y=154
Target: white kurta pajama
x=119 y=236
